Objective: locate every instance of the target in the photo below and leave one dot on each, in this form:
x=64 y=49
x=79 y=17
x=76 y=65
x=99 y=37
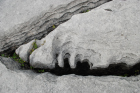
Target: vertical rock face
x=109 y=34
x=22 y=21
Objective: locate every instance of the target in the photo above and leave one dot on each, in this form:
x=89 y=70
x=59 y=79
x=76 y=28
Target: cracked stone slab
x=101 y=37
x=30 y=82
x=22 y=21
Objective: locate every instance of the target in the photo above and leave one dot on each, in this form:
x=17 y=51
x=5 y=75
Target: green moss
x=2 y=55
x=85 y=11
x=34 y=47
x=22 y=65
x=53 y=26
x=41 y=71
x=31 y=67
x=17 y=58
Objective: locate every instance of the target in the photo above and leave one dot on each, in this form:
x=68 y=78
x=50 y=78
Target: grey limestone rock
x=106 y=35
x=29 y=82
x=24 y=20
x=24 y=50
x=10 y=63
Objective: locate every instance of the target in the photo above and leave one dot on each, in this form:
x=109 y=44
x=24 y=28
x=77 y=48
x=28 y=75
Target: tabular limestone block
x=109 y=34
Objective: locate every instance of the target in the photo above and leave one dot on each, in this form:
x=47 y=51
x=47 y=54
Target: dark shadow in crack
x=83 y=69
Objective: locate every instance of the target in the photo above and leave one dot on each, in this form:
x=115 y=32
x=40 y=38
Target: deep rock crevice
x=82 y=68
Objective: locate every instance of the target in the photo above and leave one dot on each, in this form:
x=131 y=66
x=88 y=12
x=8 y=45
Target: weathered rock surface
x=10 y=63
x=113 y=37
x=19 y=81
x=24 y=50
x=22 y=21
x=106 y=35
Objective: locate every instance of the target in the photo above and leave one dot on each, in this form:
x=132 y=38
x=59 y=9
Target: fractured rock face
x=22 y=21
x=101 y=37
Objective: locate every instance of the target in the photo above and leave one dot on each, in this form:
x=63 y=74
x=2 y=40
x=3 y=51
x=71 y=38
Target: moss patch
x=34 y=47
x=18 y=59
x=53 y=27
x=41 y=71
x=15 y=57
x=85 y=11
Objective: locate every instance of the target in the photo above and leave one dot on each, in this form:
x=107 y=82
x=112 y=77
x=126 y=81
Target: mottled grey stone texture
x=106 y=35
x=10 y=63
x=24 y=20
x=19 y=81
